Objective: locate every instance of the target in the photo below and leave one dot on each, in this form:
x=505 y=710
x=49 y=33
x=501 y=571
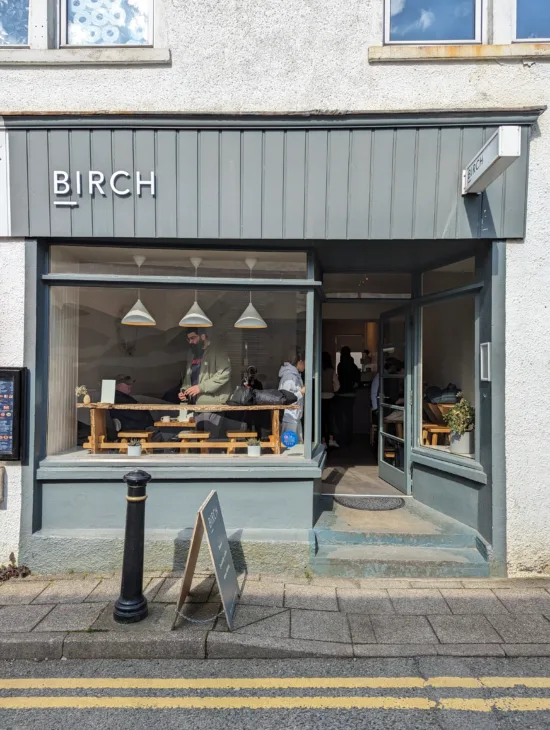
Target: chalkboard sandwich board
x=11 y=413
x=210 y=522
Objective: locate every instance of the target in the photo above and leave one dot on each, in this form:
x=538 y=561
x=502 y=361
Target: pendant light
x=139 y=316
x=250 y=318
x=195 y=317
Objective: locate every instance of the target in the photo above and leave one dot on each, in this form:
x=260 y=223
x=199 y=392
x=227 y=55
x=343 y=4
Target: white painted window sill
x=470 y=52
x=85 y=57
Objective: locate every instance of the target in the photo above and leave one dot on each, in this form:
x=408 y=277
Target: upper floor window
x=533 y=20
x=14 y=22
x=433 y=21
x=107 y=22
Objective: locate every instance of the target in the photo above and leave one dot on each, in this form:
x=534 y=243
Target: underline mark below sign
x=66 y=203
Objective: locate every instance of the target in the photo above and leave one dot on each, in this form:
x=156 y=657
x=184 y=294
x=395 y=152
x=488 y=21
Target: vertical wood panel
x=426 y=183
x=145 y=208
x=450 y=183
x=19 y=184
x=209 y=180
x=316 y=184
x=295 y=175
x=492 y=203
x=382 y=167
x=404 y=184
x=469 y=206
x=58 y=159
x=515 y=192
x=337 y=188
x=230 y=185
x=187 y=188
x=81 y=216
x=359 y=183
x=102 y=205
x=166 y=195
x=251 y=185
x=124 y=206
x=272 y=203
x=39 y=184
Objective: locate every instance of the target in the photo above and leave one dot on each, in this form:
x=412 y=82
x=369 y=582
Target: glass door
x=395 y=399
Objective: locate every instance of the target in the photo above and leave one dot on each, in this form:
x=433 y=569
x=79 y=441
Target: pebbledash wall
x=300 y=56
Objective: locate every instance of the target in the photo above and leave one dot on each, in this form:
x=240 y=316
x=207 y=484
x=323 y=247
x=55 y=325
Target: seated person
x=129 y=420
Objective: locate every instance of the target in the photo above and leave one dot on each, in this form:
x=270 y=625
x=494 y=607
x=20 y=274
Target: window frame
x=477 y=39
x=520 y=39
x=62 y=32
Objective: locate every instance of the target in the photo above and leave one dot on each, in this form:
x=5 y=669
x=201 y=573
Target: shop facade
x=306 y=197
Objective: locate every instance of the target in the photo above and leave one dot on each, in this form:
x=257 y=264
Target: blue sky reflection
x=533 y=19
x=433 y=20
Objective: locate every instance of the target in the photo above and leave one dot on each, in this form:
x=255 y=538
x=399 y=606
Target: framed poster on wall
x=12 y=382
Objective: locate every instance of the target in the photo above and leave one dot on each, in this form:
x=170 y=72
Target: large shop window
x=448 y=373
x=90 y=343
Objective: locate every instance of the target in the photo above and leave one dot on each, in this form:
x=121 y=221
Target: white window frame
x=516 y=38
x=478 y=22
x=63 y=31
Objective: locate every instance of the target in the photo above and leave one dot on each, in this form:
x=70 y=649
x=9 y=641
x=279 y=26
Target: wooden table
x=98 y=429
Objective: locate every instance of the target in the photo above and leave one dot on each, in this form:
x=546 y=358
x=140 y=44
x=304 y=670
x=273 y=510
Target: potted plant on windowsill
x=254 y=447
x=461 y=420
x=134 y=447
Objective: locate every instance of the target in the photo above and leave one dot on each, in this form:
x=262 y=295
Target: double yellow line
x=515 y=704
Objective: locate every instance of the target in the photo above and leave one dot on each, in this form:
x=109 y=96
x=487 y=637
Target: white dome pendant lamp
x=250 y=318
x=139 y=316
x=195 y=317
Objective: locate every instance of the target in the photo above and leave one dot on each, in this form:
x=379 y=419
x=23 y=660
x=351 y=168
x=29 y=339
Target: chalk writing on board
x=7 y=389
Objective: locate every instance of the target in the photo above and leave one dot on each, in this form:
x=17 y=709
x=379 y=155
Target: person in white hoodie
x=290 y=379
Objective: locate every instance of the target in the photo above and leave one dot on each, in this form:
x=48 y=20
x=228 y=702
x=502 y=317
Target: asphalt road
x=457 y=694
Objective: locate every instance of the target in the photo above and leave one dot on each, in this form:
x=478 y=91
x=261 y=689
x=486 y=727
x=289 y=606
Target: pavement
x=443 y=693
x=70 y=616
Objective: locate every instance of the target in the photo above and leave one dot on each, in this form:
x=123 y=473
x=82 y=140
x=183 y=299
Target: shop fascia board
x=305 y=120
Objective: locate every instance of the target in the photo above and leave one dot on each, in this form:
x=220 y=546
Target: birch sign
x=210 y=522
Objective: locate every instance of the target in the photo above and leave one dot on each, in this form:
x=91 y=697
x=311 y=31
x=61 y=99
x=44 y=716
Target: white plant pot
x=254 y=450
x=464 y=445
x=134 y=450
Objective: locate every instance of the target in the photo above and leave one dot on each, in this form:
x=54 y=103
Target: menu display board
x=11 y=403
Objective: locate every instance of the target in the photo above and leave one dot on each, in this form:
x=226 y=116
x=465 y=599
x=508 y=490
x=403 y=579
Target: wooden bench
x=431 y=433
x=125 y=436
x=235 y=437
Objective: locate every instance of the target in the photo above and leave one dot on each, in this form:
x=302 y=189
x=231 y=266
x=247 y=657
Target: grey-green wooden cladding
x=383 y=183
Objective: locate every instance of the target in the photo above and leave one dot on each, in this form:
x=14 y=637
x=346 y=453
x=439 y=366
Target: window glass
x=533 y=19
x=89 y=344
x=176 y=262
x=436 y=20
x=448 y=368
x=14 y=22
x=109 y=22
x=453 y=276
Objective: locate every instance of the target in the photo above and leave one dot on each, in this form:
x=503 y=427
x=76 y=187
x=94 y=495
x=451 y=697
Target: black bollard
x=131 y=605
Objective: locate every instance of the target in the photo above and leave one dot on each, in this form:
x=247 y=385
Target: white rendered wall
x=12 y=334
x=305 y=55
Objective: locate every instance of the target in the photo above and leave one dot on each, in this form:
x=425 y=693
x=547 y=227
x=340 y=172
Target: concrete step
x=397 y=561
x=461 y=537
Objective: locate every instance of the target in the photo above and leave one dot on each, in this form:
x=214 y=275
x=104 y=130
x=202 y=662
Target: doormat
x=373 y=504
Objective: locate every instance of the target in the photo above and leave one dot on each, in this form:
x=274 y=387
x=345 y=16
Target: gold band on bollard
x=136 y=499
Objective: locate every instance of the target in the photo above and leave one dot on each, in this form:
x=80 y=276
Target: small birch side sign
x=210 y=522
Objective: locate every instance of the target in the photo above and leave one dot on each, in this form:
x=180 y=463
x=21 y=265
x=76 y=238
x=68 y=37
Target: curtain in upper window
x=108 y=22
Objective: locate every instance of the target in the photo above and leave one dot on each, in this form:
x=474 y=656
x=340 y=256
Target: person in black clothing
x=349 y=376
x=129 y=420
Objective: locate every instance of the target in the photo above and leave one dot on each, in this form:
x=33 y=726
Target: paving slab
x=464 y=630
x=258 y=621
x=149 y=645
x=526 y=649
x=319 y=626
x=107 y=590
x=319 y=598
x=67 y=591
x=18 y=591
x=525 y=600
x=467 y=650
x=472 y=601
x=364 y=601
x=157 y=620
x=435 y=583
x=151 y=587
x=361 y=629
x=71 y=617
x=403 y=630
x=275 y=578
x=220 y=645
x=169 y=591
x=383 y=583
x=528 y=629
x=325 y=582
x=34 y=647
x=19 y=619
x=260 y=593
x=394 y=650
x=200 y=616
x=506 y=583
x=418 y=602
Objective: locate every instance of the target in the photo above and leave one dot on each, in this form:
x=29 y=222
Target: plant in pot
x=254 y=447
x=134 y=447
x=82 y=392
x=461 y=420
